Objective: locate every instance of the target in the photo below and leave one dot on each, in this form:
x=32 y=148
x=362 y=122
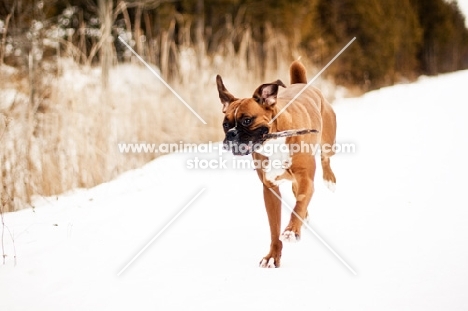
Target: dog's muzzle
x=242 y=143
x=232 y=135
x=232 y=143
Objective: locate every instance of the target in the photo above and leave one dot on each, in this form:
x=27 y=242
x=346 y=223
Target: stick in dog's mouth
x=289 y=133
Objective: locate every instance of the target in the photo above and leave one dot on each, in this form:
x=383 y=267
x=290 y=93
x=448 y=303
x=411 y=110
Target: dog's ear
x=266 y=94
x=224 y=95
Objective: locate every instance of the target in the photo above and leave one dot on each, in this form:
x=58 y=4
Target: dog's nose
x=232 y=134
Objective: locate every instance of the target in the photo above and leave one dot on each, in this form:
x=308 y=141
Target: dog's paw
x=270 y=263
x=290 y=236
x=330 y=185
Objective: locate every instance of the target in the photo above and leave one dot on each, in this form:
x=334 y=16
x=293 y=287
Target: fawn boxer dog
x=248 y=122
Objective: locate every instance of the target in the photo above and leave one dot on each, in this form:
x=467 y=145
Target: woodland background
x=70 y=90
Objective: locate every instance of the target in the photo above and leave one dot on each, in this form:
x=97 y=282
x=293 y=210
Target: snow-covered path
x=399 y=217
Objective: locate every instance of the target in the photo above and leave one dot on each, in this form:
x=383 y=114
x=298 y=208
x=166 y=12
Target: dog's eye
x=226 y=125
x=246 y=121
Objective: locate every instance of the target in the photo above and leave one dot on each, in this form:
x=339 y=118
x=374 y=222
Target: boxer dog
x=247 y=124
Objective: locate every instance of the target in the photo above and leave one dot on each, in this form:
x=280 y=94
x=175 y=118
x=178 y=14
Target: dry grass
x=60 y=131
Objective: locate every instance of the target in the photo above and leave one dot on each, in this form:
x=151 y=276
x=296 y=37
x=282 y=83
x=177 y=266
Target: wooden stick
x=289 y=133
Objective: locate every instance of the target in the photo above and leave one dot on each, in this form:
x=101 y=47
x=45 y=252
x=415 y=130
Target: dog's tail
x=297 y=72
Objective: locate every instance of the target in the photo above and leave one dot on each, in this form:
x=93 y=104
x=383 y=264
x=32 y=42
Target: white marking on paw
x=330 y=185
x=267 y=264
x=271 y=263
x=289 y=236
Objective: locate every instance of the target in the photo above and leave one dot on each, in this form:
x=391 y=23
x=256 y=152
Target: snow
x=398 y=217
x=463 y=5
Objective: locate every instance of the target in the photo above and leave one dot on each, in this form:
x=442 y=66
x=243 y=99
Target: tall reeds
x=90 y=102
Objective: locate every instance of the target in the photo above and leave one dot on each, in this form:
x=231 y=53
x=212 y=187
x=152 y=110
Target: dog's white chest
x=279 y=159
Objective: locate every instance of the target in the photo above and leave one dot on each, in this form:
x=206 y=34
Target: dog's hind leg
x=328 y=175
x=327 y=147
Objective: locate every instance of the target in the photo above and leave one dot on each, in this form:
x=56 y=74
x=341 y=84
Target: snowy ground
x=399 y=217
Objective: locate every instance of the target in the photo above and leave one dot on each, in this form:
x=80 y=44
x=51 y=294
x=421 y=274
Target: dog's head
x=246 y=121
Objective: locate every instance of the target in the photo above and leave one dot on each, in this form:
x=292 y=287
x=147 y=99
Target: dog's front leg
x=273 y=208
